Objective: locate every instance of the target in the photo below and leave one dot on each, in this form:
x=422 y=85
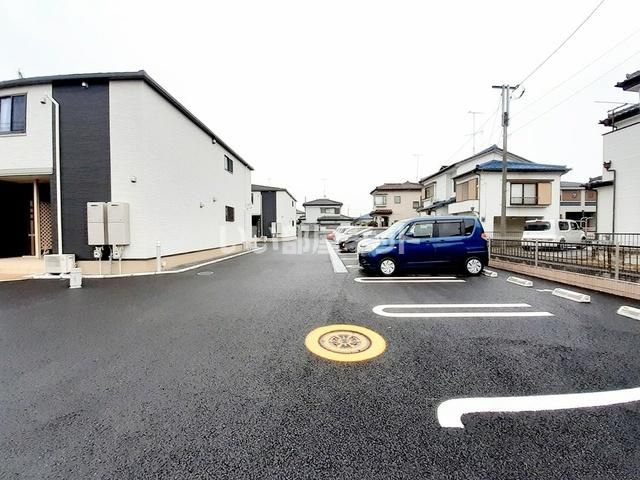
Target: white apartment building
x=618 y=187
x=395 y=201
x=473 y=186
x=273 y=212
x=120 y=138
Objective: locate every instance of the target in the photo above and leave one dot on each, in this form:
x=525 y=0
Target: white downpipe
x=57 y=163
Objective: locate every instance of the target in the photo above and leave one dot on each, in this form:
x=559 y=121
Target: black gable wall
x=268 y=212
x=85 y=173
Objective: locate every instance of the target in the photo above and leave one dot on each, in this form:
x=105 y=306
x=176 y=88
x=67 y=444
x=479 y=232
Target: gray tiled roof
x=322 y=202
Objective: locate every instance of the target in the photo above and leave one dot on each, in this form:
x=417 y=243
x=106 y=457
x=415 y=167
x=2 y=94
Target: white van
x=557 y=231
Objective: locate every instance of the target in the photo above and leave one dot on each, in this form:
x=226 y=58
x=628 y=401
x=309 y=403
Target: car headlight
x=369 y=246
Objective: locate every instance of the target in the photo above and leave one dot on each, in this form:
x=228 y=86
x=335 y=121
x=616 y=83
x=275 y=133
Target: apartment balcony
x=465 y=206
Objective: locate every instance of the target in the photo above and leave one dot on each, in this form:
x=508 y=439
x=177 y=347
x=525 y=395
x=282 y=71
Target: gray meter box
x=118 y=223
x=97 y=223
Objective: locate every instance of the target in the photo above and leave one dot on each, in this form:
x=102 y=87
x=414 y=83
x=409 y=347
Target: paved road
x=194 y=376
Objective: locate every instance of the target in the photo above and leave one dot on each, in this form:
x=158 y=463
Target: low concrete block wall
x=91 y=267
x=606 y=285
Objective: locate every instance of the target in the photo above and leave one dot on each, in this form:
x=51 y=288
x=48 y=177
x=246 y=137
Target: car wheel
x=473 y=266
x=387 y=267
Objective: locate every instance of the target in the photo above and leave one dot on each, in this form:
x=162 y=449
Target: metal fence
x=630 y=239
x=616 y=261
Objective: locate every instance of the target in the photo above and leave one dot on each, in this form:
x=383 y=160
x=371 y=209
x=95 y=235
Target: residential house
x=473 y=186
x=395 y=201
x=618 y=191
x=273 y=212
x=323 y=214
x=579 y=204
x=119 y=138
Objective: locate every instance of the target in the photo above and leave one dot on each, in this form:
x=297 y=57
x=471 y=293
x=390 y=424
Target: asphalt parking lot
x=207 y=376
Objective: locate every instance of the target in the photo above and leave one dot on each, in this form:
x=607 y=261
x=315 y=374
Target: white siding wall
x=490 y=197
x=622 y=149
x=177 y=169
x=286 y=213
x=256 y=208
x=30 y=153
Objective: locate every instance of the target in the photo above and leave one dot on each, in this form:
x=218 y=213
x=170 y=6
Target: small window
x=449 y=229
x=292 y=224
x=421 y=230
x=13 y=111
x=563 y=225
x=397 y=199
x=416 y=204
x=292 y=203
x=252 y=198
x=469 y=226
x=229 y=214
x=429 y=190
x=524 y=194
x=228 y=164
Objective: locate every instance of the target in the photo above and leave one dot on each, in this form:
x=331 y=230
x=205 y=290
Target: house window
x=524 y=194
x=228 y=164
x=328 y=210
x=229 y=214
x=252 y=198
x=429 y=191
x=416 y=204
x=380 y=200
x=292 y=203
x=467 y=190
x=13 y=111
x=397 y=199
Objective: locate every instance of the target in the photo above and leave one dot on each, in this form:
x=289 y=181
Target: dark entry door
x=15 y=214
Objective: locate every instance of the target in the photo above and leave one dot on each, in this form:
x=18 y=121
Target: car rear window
x=469 y=225
x=537 y=227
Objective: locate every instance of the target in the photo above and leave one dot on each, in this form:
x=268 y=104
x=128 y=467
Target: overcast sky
x=349 y=91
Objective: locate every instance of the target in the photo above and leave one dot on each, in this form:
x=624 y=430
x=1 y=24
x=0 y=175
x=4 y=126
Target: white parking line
x=365 y=280
x=450 y=411
x=381 y=310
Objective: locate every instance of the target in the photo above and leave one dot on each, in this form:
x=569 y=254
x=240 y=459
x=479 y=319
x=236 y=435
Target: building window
x=229 y=214
x=380 y=200
x=292 y=224
x=328 y=210
x=429 y=191
x=252 y=199
x=228 y=164
x=467 y=190
x=397 y=199
x=416 y=204
x=292 y=203
x=524 y=194
x=13 y=114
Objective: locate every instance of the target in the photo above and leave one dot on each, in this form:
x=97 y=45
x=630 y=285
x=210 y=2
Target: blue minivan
x=427 y=242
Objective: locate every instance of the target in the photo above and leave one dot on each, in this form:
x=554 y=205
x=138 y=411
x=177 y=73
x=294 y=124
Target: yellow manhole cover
x=345 y=343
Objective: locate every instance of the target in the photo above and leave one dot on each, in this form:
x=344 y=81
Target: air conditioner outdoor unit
x=59 y=263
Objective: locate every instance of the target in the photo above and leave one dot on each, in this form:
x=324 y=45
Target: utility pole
x=506 y=97
x=474 y=132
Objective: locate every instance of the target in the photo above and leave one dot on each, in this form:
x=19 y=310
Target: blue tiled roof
x=496 y=166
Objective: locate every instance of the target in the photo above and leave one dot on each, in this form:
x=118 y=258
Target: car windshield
x=537 y=226
x=393 y=230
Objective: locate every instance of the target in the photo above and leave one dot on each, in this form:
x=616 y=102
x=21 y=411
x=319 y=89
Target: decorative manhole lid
x=345 y=343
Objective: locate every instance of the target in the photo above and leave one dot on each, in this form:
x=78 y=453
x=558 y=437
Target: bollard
x=75 y=278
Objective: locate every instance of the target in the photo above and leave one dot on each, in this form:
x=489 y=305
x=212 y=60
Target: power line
x=576 y=92
x=562 y=44
x=576 y=73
